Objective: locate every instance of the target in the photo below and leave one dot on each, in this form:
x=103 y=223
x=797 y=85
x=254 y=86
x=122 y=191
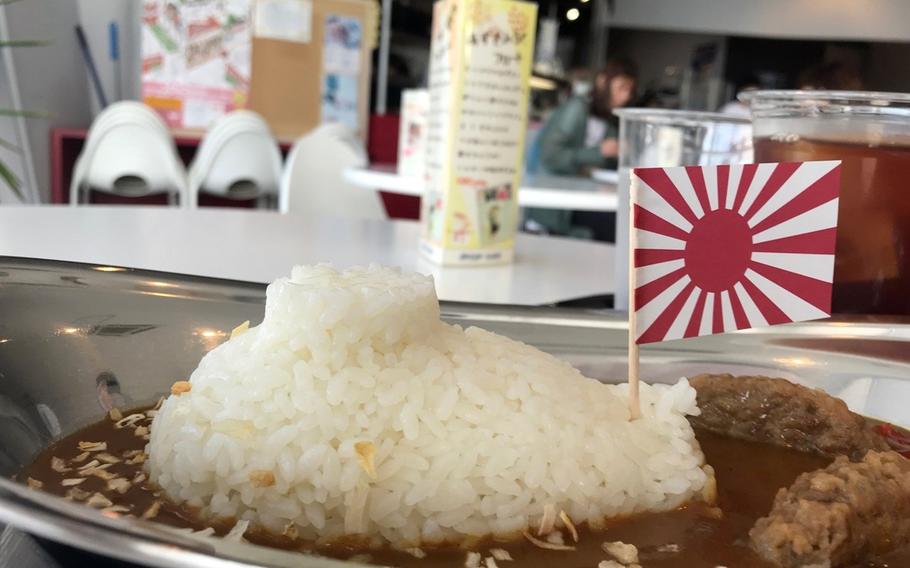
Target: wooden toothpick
x=634 y=402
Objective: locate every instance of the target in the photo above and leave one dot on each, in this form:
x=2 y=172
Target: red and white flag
x=721 y=248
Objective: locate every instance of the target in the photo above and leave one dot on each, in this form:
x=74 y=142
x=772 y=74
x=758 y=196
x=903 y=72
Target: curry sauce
x=749 y=474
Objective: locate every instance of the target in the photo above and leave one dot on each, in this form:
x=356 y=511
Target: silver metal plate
x=75 y=339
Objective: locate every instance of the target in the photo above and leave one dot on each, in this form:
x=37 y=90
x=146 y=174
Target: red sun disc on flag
x=720 y=248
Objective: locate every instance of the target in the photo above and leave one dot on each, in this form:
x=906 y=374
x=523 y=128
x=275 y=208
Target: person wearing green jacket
x=581 y=135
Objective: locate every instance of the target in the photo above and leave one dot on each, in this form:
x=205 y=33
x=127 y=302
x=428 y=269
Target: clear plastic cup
x=870 y=133
x=665 y=138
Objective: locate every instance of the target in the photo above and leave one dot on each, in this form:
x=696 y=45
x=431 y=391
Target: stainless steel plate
x=75 y=338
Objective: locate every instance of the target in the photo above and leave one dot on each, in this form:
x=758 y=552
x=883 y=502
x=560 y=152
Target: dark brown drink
x=872 y=265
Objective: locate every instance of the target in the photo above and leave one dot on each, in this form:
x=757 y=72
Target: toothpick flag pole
x=634 y=404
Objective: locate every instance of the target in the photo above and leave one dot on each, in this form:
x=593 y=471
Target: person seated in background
x=579 y=136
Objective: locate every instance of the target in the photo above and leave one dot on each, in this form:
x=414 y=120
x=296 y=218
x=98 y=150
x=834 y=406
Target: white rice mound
x=474 y=433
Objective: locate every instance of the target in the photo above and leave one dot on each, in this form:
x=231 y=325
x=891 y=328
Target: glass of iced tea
x=870 y=133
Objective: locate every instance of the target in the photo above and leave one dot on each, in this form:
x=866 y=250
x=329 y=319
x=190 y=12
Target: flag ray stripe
x=706 y=326
x=723 y=177
x=822 y=217
x=803 y=178
x=647 y=292
x=753 y=313
x=762 y=173
x=649 y=240
x=710 y=177
x=732 y=185
x=683 y=185
x=650 y=273
x=657 y=180
x=747 y=174
x=818 y=266
x=769 y=310
x=823 y=190
x=729 y=324
x=739 y=314
x=812 y=291
x=699 y=185
x=717 y=324
x=644 y=257
x=693 y=329
x=647 y=314
x=795 y=308
x=644 y=219
x=779 y=177
x=815 y=242
x=658 y=329
x=677 y=329
x=659 y=206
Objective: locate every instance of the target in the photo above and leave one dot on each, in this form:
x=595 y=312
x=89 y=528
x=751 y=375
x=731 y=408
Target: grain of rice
x=34 y=483
x=569 y=525
x=622 y=552
x=88 y=466
x=262 y=478
x=472 y=560
x=119 y=484
x=547 y=520
x=58 y=465
x=152 y=511
x=129 y=421
x=500 y=554
x=72 y=481
x=416 y=552
x=98 y=501
x=77 y=494
x=240 y=329
x=81 y=457
x=238 y=530
x=115 y=414
x=546 y=544
x=93 y=446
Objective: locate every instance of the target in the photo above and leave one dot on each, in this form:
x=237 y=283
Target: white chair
x=238 y=159
x=129 y=152
x=313 y=180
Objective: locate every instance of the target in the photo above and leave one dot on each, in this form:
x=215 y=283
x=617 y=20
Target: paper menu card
x=196 y=59
x=480 y=66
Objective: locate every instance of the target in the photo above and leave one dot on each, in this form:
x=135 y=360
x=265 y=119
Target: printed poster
x=196 y=59
x=341 y=70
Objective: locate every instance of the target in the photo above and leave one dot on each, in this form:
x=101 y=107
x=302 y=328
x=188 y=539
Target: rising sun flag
x=721 y=248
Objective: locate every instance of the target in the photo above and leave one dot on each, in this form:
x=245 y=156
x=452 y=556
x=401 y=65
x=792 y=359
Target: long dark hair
x=601 y=105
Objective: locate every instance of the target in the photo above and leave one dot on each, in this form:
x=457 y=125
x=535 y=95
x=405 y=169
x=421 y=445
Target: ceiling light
x=572 y=14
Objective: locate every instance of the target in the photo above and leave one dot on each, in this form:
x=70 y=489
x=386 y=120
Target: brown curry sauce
x=749 y=474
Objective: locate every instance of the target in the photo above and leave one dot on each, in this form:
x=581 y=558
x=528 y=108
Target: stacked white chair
x=129 y=152
x=238 y=159
x=313 y=180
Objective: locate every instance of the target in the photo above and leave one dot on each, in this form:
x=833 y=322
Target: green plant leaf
x=7 y=145
x=24 y=43
x=24 y=113
x=8 y=177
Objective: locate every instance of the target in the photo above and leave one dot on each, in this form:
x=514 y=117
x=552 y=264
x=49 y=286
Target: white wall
x=877 y=20
x=12 y=133
x=50 y=78
x=96 y=17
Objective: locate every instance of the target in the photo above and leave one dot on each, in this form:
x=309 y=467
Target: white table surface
x=551 y=192
x=259 y=246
